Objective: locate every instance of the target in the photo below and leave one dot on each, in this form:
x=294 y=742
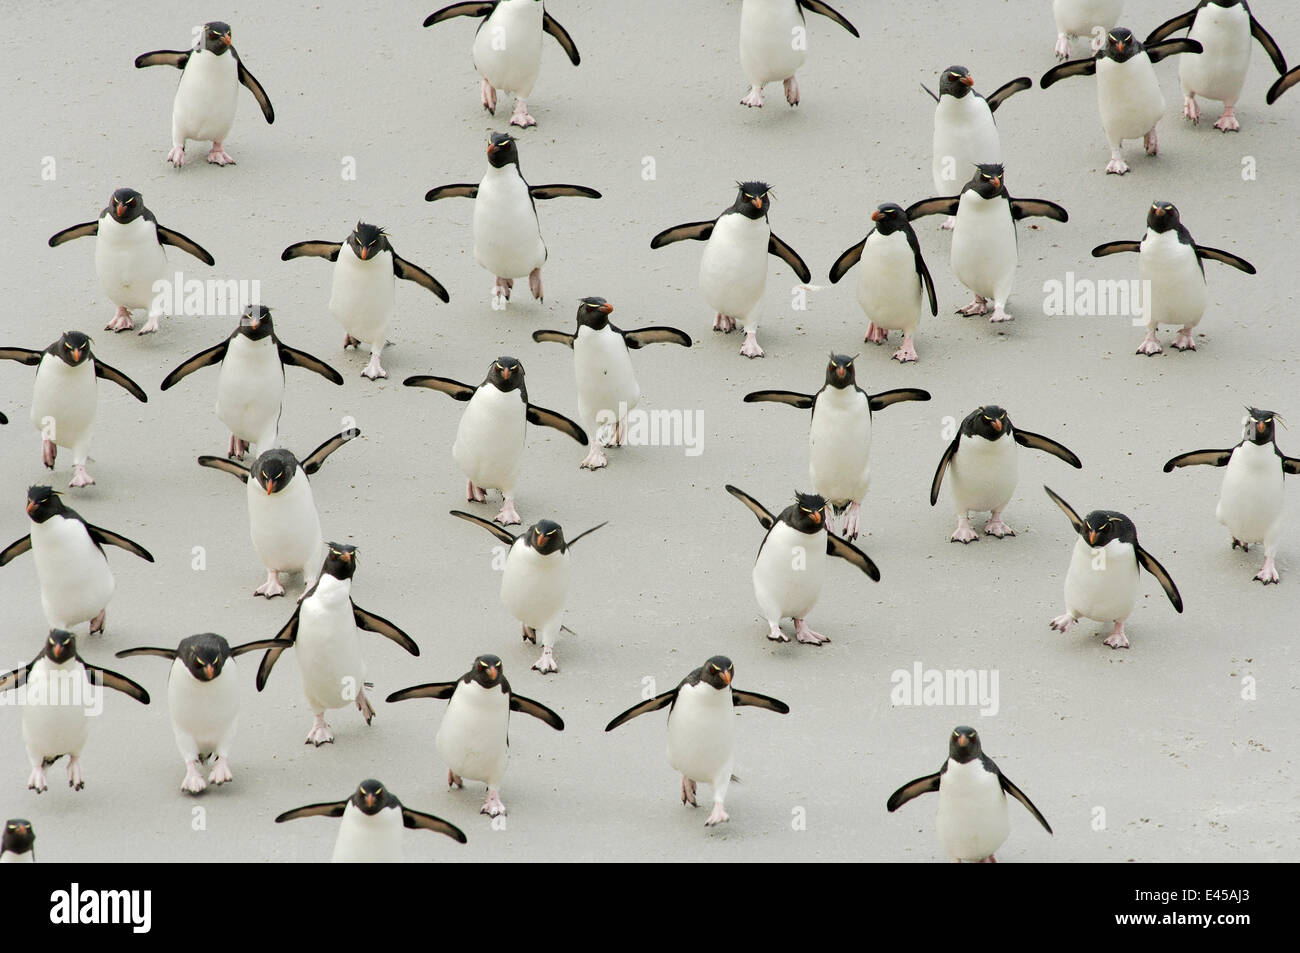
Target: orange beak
x=1092 y=537
x=492 y=147
x=1260 y=426
x=31 y=507
x=76 y=353
x=270 y=487
x=505 y=374
x=1119 y=47
x=1159 y=212
x=346 y=557
x=839 y=372
x=816 y=516
x=877 y=216
x=226 y=39
x=962 y=741
x=726 y=678
x=365 y=253
x=997 y=181
x=606 y=308
x=492 y=672
x=209 y=671
x=758 y=203
x=968 y=80
x=540 y=537
x=370 y=799
x=121 y=209
x=997 y=425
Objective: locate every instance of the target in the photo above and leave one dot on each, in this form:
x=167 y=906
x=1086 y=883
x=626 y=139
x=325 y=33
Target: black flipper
x=850 y=257
x=1115 y=248
x=693 y=231
x=1149 y=563
x=229 y=466
x=176 y=58
x=1067 y=509
x=327 y=250
x=74 y=231
x=1038 y=442
x=292 y=357
x=912 y=789
x=408 y=272
x=817 y=6
x=288 y=636
x=254 y=87
x=463 y=190
x=941 y=205
x=373 y=623
x=313 y=461
x=642 y=708
x=1024 y=208
x=1290 y=465
x=147 y=650
x=788 y=255
x=549 y=418
x=330 y=809
x=18 y=677
x=213 y=355
x=500 y=532
x=110 y=373
x=1269 y=44
x=15 y=549
x=453 y=389
x=897 y=396
x=1213 y=458
x=659 y=335
x=851 y=554
x=106 y=537
x=167 y=236
x=259 y=645
x=418 y=820
x=554 y=337
x=1006 y=91
x=933 y=95
x=431 y=690
x=1225 y=257
x=1282 y=85
x=552 y=26
x=539 y=711
x=119 y=683
x=800 y=401
x=1054 y=75
x=461 y=10
x=586 y=532
x=764 y=517
x=942 y=468
x=558 y=191
x=755 y=700
x=22 y=355
x=1167 y=29
x=1020 y=796
x=1172 y=47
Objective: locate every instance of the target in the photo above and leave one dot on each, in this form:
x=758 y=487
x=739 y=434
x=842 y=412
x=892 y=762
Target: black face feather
x=340 y=561
x=964 y=745
x=891 y=217
x=990 y=422
x=371 y=797
x=807 y=513
x=1163 y=217
x=502 y=150
x=751 y=200
x=717 y=672
x=956 y=81
x=594 y=313
x=204 y=655
x=125 y=205
x=1104 y=526
x=1122 y=45
x=72 y=348
x=255 y=323
x=274 y=469
x=1261 y=427
x=43 y=502
x=507 y=374
x=60 y=646
x=545 y=536
x=216 y=37
x=18 y=836
x=989 y=180
x=487 y=671
x=368 y=241
x=840 y=373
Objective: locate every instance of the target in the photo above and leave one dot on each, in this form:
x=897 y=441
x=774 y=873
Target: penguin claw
x=530 y=634
x=995 y=527
x=906 y=354
x=1117 y=639
x=1268 y=575
x=1228 y=121
x=454 y=780
x=150 y=326
x=791 y=86
x=546 y=664
x=320 y=734
x=807 y=636
x=775 y=634
x=1062 y=623
x=37 y=781
x=717 y=815
x=1184 y=342
x=1149 y=346
x=122 y=321
x=508 y=516
x=219 y=156
x=595 y=459
x=1238 y=544
x=271 y=588
x=1062 y=47
x=875 y=335
x=177 y=156
x=489 y=95
x=492 y=806
x=221 y=773
x=750 y=346
x=193 y=782
x=1191 y=110
x=964 y=533
x=97 y=623
x=688 y=792
x=1116 y=166
x=755 y=98
x=724 y=323
x=978 y=306
x=80 y=477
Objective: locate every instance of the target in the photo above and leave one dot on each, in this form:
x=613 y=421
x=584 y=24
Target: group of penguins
x=894 y=287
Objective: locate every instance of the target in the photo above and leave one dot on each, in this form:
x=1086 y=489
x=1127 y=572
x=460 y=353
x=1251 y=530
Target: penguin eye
x=51 y=641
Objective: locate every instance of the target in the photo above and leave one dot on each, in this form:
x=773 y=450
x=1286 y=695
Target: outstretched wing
x=1167 y=29
x=500 y=532
x=659 y=335
x=254 y=87
x=912 y=789
x=167 y=236
x=649 y=705
x=887 y=398
x=816 y=6
x=1269 y=44
x=1172 y=47
x=850 y=553
x=529 y=707
x=17 y=678
x=1007 y=90
x=293 y=357
x=328 y=250
x=552 y=26
x=431 y=690
x=78 y=231
x=554 y=337
x=1020 y=796
x=373 y=623
x=22 y=355
x=1115 y=248
x=313 y=461
x=408 y=272
x=259 y=645
x=1225 y=257
x=942 y=468
x=119 y=683
x=331 y=809
x=1212 y=458
x=1025 y=208
x=542 y=192
x=421 y=821
x=213 y=355
x=693 y=231
x=1150 y=564
x=941 y=205
x=794 y=399
x=755 y=507
x=1086 y=67
x=14 y=549
x=1282 y=85
x=110 y=373
x=755 y=700
x=176 y=58
x=460 y=10
x=286 y=637
x=788 y=255
x=106 y=537
x=1067 y=509
x=228 y=466
x=461 y=190
x=451 y=388
x=849 y=258
x=549 y=418
x=1038 y=442
x=147 y=650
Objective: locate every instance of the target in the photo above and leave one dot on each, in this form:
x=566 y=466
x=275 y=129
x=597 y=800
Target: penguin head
x=1260 y=425
x=594 y=313
x=956 y=81
x=371 y=797
x=506 y=374
x=840 y=373
x=216 y=37
x=717 y=672
x=125 y=205
x=204 y=655
x=964 y=745
x=42 y=503
x=545 y=536
x=487 y=671
x=1163 y=217
x=60 y=647
x=1122 y=45
x=73 y=348
x=274 y=469
x=367 y=241
x=990 y=422
x=988 y=181
x=1103 y=526
x=18 y=837
x=501 y=150
x=752 y=199
x=255 y=322
x=808 y=513
x=340 y=561
x=889 y=218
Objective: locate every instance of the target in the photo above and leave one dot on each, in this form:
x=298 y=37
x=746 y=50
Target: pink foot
x=75 y=780
x=1191 y=110
x=474 y=494
x=237 y=448
x=221 y=773
x=36 y=780
x=1062 y=46
x=806 y=635
x=502 y=288
x=1149 y=345
x=717 y=815
x=1238 y=544
x=49 y=450
x=964 y=533
x=852 y=518
x=907 y=353
x=218 y=155
x=595 y=458
x=949 y=223
x=1117 y=639
x=754 y=99
x=374 y=369
x=489 y=97
x=492 y=805
x=271 y=588
x=1116 y=165
x=978 y=306
x=454 y=780
x=529 y=634
x=792 y=91
x=995 y=527
x=121 y=321
x=775 y=634
x=750 y=348
x=193 y=783
x=521 y=118
x=363 y=705
x=177 y=156
x=1228 y=121
x=150 y=326
x=1268 y=575
x=97 y=623
x=546 y=664
x=688 y=791
x=1184 y=341
x=507 y=516
x=1063 y=623
x=80 y=477
x=320 y=733
x=535 y=283
x=350 y=342
x=724 y=323
x=875 y=335
x=1151 y=143
x=999 y=315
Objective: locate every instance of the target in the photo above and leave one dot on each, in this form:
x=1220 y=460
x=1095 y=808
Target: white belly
x=51 y=730
x=889 y=289
x=507 y=239
x=329 y=646
x=984 y=253
x=204 y=714
x=76 y=582
x=489 y=447
x=128 y=260
x=206 y=98
x=362 y=294
x=972 y=820
x=250 y=390
x=964 y=135
x=983 y=474
x=1129 y=98
x=1082 y=17
x=534 y=587
x=472 y=736
x=285 y=526
x=733 y=268
x=1177 y=294
x=606 y=381
x=770 y=47
x=789 y=573
x=1250 y=501
x=375 y=838
x=839 y=444
x=1102 y=587
x=702 y=734
x=508 y=47
x=9 y=857
x=1219 y=72
x=64 y=400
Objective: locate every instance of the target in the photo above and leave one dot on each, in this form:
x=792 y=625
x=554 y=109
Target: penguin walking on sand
x=250 y=384
x=489 y=446
x=473 y=736
x=208 y=94
x=129 y=257
x=983 y=460
x=972 y=819
x=1128 y=93
x=733 y=268
x=985 y=246
x=839 y=440
x=893 y=280
x=964 y=131
x=702 y=728
x=791 y=565
x=507 y=235
x=535 y=580
x=363 y=292
x=325 y=630
x=71 y=566
x=62 y=693
x=1086 y=18
x=66 y=395
x=1225 y=29
x=1102 y=581
x=774 y=43
x=607 y=387
x=373 y=820
x=1250 y=499
x=203 y=701
x=282 y=516
x=1173 y=267
x=18 y=844
x=507 y=48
